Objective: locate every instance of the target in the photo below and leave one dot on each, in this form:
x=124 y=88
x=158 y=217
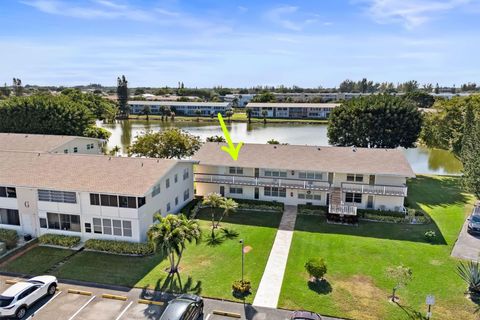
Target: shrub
x=59 y=240
x=10 y=237
x=241 y=287
x=259 y=204
x=230 y=233
x=470 y=273
x=430 y=236
x=119 y=247
x=312 y=209
x=316 y=268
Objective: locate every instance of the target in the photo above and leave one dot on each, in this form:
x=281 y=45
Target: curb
x=114 y=297
x=145 y=301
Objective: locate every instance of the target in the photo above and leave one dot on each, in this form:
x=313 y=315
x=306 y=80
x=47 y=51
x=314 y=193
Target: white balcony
x=383 y=190
x=262 y=181
x=342 y=209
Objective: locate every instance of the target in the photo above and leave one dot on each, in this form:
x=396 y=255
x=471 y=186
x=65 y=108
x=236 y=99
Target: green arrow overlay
x=231 y=149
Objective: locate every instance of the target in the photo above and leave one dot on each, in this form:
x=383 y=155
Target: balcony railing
x=342 y=209
x=383 y=190
x=262 y=181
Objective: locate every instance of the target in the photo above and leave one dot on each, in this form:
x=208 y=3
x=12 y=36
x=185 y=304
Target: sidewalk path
x=272 y=279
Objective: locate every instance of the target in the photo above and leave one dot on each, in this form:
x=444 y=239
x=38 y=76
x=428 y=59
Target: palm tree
x=248 y=111
x=172 y=116
x=229 y=114
x=264 y=114
x=170 y=235
x=228 y=206
x=115 y=150
x=146 y=111
x=162 y=111
x=213 y=200
x=470 y=273
x=198 y=112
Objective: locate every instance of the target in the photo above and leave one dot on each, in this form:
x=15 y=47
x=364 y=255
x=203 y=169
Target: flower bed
x=119 y=247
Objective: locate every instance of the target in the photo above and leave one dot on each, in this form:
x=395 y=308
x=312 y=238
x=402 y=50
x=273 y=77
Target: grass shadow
x=411 y=313
x=320 y=286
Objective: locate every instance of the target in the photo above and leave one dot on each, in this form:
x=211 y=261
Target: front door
x=372 y=180
x=222 y=191
x=257 y=172
x=257 y=193
x=330 y=177
x=370 y=202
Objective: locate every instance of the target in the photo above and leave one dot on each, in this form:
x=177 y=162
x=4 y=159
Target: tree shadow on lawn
x=411 y=313
x=380 y=230
x=244 y=217
x=320 y=286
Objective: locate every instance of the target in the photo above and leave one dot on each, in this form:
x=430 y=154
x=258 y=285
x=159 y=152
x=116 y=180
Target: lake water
x=422 y=159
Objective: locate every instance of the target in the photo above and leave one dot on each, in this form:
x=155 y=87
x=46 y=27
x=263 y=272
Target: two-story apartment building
x=342 y=178
x=91 y=196
x=50 y=143
x=180 y=108
x=292 y=110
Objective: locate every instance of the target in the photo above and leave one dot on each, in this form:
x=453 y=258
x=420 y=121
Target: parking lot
x=92 y=303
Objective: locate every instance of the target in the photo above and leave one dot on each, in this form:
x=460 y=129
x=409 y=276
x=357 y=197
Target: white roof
x=35 y=142
x=15 y=289
x=179 y=103
x=291 y=105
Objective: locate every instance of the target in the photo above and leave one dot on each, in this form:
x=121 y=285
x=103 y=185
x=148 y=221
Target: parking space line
x=38 y=310
x=81 y=308
x=208 y=316
x=124 y=310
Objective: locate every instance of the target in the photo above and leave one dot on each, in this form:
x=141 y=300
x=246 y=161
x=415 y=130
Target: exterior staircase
x=336 y=196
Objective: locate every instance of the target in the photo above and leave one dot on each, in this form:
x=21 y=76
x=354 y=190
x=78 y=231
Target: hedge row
x=119 y=247
x=396 y=214
x=59 y=240
x=10 y=237
x=259 y=204
x=312 y=209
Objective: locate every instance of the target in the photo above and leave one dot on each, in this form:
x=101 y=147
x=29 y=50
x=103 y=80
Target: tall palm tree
x=198 y=112
x=229 y=206
x=170 y=235
x=248 y=111
x=264 y=114
x=213 y=200
x=229 y=114
x=146 y=112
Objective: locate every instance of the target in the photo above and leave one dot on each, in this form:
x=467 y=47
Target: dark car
x=473 y=226
x=184 y=307
x=305 y=315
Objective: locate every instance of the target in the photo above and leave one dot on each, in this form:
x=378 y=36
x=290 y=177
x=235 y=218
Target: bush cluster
x=241 y=287
x=119 y=247
x=312 y=209
x=10 y=237
x=316 y=268
x=59 y=240
x=258 y=204
x=430 y=236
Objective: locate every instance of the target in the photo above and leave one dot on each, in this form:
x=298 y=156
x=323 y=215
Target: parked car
x=15 y=300
x=184 y=307
x=305 y=315
x=473 y=226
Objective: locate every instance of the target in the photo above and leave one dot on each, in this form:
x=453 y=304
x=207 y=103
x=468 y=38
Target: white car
x=15 y=300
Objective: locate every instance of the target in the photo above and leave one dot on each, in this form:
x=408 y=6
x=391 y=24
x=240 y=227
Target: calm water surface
x=422 y=159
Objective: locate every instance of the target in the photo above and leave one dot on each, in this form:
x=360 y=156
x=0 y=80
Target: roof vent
x=319 y=149
x=274 y=147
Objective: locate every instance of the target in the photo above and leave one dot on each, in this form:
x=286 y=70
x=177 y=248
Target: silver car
x=15 y=300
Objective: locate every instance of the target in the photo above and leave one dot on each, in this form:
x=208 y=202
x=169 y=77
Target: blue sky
x=239 y=42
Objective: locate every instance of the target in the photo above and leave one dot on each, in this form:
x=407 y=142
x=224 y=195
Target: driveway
x=467 y=246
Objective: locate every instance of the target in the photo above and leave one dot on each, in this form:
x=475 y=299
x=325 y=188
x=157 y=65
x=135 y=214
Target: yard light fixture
x=430 y=301
x=243 y=256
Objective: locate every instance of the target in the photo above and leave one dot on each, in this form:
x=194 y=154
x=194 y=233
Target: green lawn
x=204 y=270
x=36 y=261
x=357 y=257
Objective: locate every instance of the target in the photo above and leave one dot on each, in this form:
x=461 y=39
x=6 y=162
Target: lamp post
x=430 y=301
x=243 y=256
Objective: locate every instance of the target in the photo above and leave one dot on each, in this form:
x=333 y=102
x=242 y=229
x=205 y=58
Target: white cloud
x=242 y=9
x=410 y=13
x=282 y=17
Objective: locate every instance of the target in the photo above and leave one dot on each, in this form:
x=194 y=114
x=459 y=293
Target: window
x=175 y=178
x=57 y=196
x=94 y=199
x=176 y=201
x=311 y=175
x=127 y=202
x=186 y=194
x=186 y=173
x=107 y=226
x=155 y=190
x=9 y=216
x=355 y=177
x=75 y=149
x=97 y=225
x=275 y=192
x=141 y=201
x=235 y=170
x=59 y=221
x=8 y=192
x=353 y=197
x=236 y=190
x=43 y=223
x=127 y=228
x=88 y=227
x=276 y=174
x=109 y=200
x=117 y=227
x=90 y=146
x=168 y=206
x=167 y=183
x=65 y=151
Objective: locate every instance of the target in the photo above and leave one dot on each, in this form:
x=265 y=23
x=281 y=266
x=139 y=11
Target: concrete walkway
x=272 y=279
x=467 y=246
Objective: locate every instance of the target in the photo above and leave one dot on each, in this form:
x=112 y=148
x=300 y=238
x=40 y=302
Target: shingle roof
x=291 y=105
x=81 y=172
x=296 y=157
x=33 y=142
x=179 y=103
